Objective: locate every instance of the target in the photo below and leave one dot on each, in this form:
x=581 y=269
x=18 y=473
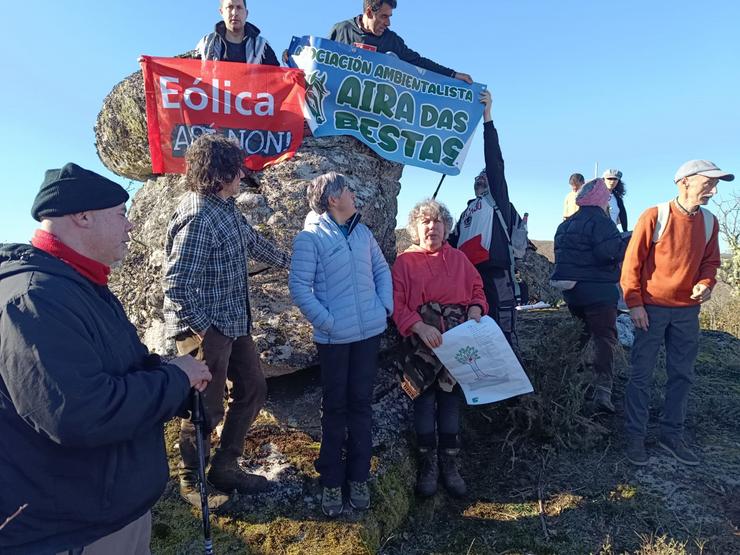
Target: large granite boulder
x=277 y=209
x=120 y=132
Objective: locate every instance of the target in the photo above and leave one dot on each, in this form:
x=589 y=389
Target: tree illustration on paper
x=469 y=355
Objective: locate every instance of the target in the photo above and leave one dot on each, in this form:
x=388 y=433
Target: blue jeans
x=347 y=380
x=679 y=329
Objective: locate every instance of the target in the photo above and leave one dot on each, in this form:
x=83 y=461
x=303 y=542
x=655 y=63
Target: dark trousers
x=498 y=286
x=237 y=360
x=437 y=411
x=600 y=322
x=679 y=329
x=347 y=379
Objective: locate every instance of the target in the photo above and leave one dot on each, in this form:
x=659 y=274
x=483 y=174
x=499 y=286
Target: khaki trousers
x=132 y=539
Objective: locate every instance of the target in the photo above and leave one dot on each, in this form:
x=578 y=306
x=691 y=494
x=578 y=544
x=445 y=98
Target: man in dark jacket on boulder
x=82 y=402
x=588 y=252
x=235 y=40
x=370 y=31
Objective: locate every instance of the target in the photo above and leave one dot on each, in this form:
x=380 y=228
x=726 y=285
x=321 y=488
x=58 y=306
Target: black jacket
x=82 y=407
x=622 y=213
x=349 y=32
x=588 y=247
x=500 y=255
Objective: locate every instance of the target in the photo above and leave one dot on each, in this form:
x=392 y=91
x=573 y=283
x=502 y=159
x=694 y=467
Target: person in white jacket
x=341 y=282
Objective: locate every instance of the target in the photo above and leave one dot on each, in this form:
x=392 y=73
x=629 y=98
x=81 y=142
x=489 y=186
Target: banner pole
x=434 y=196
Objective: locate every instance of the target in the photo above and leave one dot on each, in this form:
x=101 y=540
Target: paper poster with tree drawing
x=480 y=359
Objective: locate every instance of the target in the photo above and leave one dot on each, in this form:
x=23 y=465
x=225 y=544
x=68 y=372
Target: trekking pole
x=434 y=196
x=198 y=419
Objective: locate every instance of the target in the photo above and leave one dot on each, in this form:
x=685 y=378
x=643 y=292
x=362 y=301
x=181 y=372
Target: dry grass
x=722 y=313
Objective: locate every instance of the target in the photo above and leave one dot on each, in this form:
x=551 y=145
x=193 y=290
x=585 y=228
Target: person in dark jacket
x=82 y=402
x=588 y=252
x=370 y=31
x=617 y=212
x=484 y=230
x=236 y=40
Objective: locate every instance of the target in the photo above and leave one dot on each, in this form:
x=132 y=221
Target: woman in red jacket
x=435 y=287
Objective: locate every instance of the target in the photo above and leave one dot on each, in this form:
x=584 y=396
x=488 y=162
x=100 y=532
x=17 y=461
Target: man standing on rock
x=82 y=402
x=669 y=270
x=206 y=308
x=370 y=31
x=235 y=40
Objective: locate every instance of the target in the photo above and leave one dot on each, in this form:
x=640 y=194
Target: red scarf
x=91 y=269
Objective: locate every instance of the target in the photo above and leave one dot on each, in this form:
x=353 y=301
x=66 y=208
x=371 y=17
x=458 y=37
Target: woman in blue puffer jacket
x=341 y=282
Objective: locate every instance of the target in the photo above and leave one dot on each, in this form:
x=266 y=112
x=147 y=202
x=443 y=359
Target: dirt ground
x=541 y=499
x=546 y=476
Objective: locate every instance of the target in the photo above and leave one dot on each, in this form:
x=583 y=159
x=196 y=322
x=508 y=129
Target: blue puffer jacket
x=588 y=247
x=341 y=285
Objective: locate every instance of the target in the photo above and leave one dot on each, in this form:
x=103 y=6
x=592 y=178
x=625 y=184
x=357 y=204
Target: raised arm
x=494 y=161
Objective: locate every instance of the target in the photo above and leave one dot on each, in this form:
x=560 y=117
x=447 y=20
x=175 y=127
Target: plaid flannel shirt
x=208 y=244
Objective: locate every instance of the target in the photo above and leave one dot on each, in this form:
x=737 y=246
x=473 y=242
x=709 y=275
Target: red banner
x=259 y=106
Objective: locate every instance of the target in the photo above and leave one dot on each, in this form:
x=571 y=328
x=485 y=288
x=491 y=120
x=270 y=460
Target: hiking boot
x=190 y=492
x=603 y=401
x=331 y=502
x=426 y=482
x=228 y=476
x=451 y=478
x=359 y=495
x=679 y=450
x=635 y=452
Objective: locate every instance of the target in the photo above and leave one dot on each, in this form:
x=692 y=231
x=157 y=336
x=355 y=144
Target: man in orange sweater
x=669 y=270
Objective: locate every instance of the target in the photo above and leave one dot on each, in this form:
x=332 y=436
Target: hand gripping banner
x=259 y=106
x=404 y=113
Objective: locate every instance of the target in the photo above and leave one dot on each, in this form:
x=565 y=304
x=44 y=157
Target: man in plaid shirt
x=207 y=313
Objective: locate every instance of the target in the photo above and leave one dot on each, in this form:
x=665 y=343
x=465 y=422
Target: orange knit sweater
x=665 y=273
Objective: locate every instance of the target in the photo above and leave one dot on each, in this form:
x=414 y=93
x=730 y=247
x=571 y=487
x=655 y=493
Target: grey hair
x=324 y=187
x=433 y=209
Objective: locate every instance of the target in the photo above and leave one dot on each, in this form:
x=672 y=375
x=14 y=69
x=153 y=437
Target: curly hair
x=620 y=190
x=324 y=187
x=212 y=162
x=432 y=209
x=375 y=5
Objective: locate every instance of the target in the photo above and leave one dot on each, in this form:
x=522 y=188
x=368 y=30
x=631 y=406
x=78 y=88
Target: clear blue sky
x=640 y=86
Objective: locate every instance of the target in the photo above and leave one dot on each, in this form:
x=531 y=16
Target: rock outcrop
x=277 y=210
x=120 y=132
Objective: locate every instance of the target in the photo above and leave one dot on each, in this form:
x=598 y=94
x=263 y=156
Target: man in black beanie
x=82 y=402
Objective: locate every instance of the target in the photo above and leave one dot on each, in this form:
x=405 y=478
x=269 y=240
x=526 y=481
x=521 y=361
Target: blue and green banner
x=404 y=113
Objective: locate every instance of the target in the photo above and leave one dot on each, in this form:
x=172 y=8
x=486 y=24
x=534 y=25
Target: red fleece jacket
x=445 y=276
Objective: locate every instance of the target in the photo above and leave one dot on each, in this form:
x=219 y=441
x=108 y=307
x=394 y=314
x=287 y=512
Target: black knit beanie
x=74 y=189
